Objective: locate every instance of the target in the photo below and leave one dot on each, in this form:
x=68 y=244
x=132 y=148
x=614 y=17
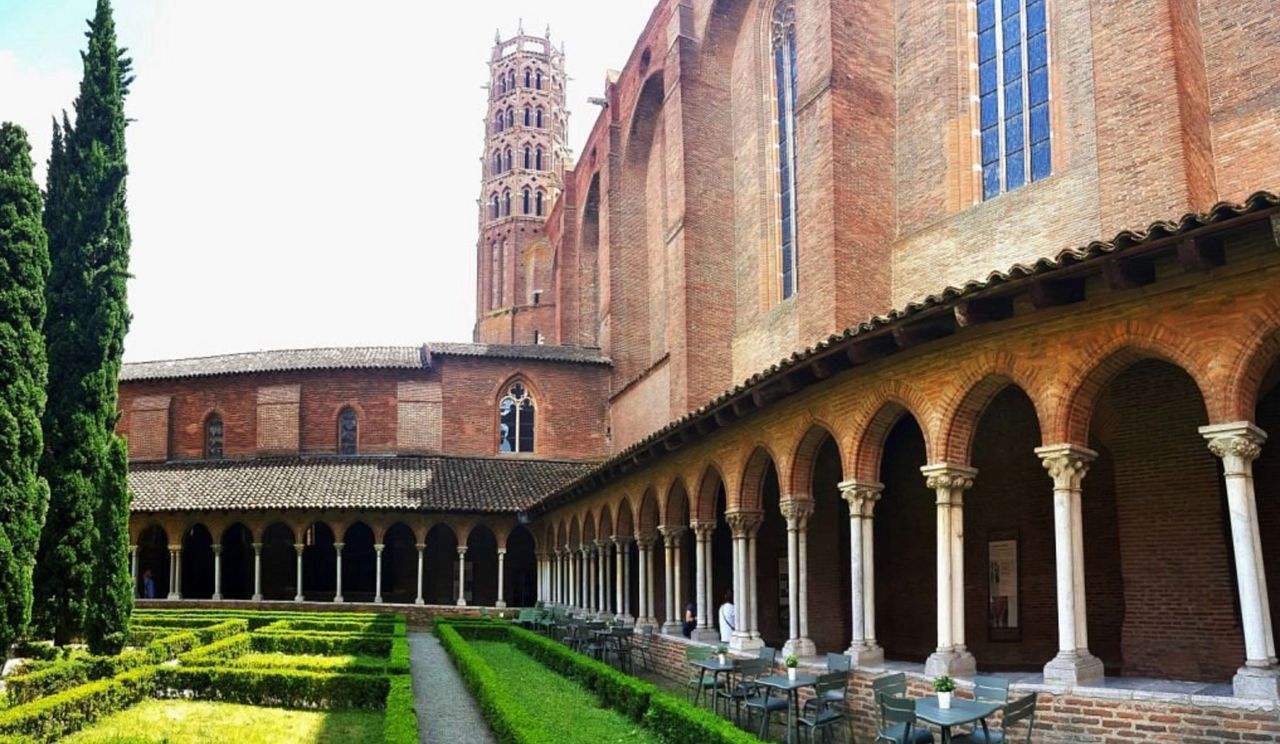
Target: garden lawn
x=189 y=722
x=567 y=708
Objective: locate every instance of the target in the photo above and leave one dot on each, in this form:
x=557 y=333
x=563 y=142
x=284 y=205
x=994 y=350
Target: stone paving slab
x=447 y=714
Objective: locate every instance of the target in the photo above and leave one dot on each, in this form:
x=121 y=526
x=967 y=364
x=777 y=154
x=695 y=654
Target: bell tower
x=522 y=175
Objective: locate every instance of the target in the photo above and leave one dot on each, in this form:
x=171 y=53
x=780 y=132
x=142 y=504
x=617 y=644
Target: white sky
x=302 y=173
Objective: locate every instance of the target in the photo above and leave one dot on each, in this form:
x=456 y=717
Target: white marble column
x=949 y=482
x=257 y=572
x=337 y=594
x=1238 y=444
x=671 y=592
x=703 y=603
x=744 y=526
x=606 y=596
x=1067 y=465
x=217 y=572
x=462 y=575
x=502 y=559
x=175 y=572
x=377 y=580
x=861 y=497
x=797 y=513
x=133 y=567
x=622 y=548
x=421 y=549
x=645 y=542
x=298 y=547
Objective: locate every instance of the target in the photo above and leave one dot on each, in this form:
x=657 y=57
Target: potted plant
x=944 y=686
x=721 y=650
x=791 y=662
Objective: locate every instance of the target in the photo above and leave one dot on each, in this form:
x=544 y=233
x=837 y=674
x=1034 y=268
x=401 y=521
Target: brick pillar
x=797 y=513
x=862 y=497
x=744 y=526
x=1238 y=444
x=950 y=482
x=1067 y=465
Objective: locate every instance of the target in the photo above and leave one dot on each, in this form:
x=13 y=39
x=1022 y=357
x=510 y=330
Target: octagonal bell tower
x=522 y=175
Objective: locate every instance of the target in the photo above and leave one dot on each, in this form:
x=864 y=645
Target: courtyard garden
x=221 y=675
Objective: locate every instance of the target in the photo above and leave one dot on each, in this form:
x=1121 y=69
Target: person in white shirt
x=728 y=617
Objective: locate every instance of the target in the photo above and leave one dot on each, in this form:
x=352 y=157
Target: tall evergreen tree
x=24 y=269
x=83 y=559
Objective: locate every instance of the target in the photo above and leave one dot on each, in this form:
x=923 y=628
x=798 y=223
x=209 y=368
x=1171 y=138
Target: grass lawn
x=188 y=722
x=568 y=709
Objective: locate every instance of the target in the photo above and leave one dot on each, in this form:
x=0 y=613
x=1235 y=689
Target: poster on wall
x=1003 y=623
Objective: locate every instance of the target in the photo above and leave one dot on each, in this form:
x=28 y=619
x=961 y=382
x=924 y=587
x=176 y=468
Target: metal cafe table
x=713 y=665
x=960 y=713
x=792 y=687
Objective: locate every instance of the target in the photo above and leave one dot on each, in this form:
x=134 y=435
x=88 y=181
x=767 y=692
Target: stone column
x=1238 y=444
x=175 y=572
x=602 y=546
x=645 y=541
x=744 y=526
x=298 y=549
x=377 y=577
x=950 y=482
x=337 y=595
x=797 y=514
x=1067 y=465
x=257 y=572
x=217 y=572
x=502 y=559
x=421 y=548
x=703 y=602
x=671 y=593
x=462 y=575
x=133 y=567
x=621 y=553
x=862 y=497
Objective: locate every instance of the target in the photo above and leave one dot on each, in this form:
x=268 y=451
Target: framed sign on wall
x=1003 y=621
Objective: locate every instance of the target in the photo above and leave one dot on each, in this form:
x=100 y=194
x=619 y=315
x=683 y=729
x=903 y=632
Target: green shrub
x=399 y=661
x=167 y=621
x=511 y=722
x=35 y=650
x=219 y=652
x=24 y=688
x=281 y=688
x=310 y=625
x=55 y=716
x=678 y=722
x=322 y=644
x=400 y=722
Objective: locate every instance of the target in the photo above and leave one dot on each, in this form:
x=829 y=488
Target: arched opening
x=905 y=549
x=441 y=571
x=773 y=610
x=153 y=563
x=279 y=563
x=721 y=556
x=399 y=565
x=520 y=569
x=1158 y=565
x=482 y=567
x=684 y=575
x=648 y=523
x=1011 y=620
x=197 y=563
x=1266 y=484
x=830 y=614
x=359 y=564
x=319 y=563
x=237 y=562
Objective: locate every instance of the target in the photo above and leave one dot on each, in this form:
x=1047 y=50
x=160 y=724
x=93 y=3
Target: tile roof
x=431 y=484
x=349 y=357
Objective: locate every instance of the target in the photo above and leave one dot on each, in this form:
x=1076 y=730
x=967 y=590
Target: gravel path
x=446 y=712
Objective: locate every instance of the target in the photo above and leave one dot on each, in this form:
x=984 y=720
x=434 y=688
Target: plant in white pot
x=944 y=686
x=721 y=652
x=792 y=662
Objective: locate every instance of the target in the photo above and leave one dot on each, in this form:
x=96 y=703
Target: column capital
x=1067 y=464
x=1236 y=443
x=257 y=547
x=671 y=533
x=217 y=549
x=744 y=523
x=462 y=550
x=299 y=547
x=175 y=548
x=861 y=496
x=622 y=541
x=604 y=542
x=338 y=546
x=502 y=551
x=797 y=513
x=420 y=546
x=646 y=538
x=378 y=547
x=949 y=480
x=702 y=529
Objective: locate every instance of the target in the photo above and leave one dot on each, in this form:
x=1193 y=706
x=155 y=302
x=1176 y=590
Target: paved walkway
x=447 y=714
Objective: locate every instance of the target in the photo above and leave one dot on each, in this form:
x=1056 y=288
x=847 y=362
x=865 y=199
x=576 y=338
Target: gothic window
x=213 y=437
x=528 y=77
x=515 y=420
x=506 y=204
x=497 y=162
x=497 y=122
x=1013 y=89
x=348 y=432
x=511 y=118
x=538 y=203
x=784 y=71
x=494 y=211
x=528 y=157
x=538 y=116
x=508 y=158
x=511 y=80
x=537 y=159
x=538 y=80
x=528 y=116
x=502 y=83
x=526 y=198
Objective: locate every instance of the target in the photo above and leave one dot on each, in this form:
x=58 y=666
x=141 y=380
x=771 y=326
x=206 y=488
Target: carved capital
x=862 y=497
x=462 y=550
x=622 y=541
x=1067 y=464
x=1238 y=444
x=339 y=546
x=797 y=513
x=217 y=549
x=703 y=530
x=671 y=534
x=744 y=523
x=646 y=538
x=603 y=543
x=949 y=481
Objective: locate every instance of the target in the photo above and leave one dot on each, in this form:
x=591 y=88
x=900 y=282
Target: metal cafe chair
x=989 y=688
x=1022 y=709
x=825 y=714
x=742 y=683
x=698 y=682
x=641 y=646
x=897 y=722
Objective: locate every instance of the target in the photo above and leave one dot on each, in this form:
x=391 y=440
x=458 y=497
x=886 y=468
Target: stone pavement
x=447 y=714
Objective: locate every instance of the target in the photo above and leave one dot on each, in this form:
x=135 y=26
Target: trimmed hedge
x=219 y=651
x=398 y=663
x=279 y=688
x=511 y=723
x=322 y=644
x=55 y=716
x=261 y=618
x=400 y=721
x=333 y=626
x=678 y=722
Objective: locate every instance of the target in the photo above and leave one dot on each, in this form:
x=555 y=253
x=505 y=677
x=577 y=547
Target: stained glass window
x=1013 y=89
x=784 y=71
x=213 y=437
x=515 y=420
x=348 y=431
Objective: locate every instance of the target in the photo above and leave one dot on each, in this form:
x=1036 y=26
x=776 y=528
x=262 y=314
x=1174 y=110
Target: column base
x=1260 y=682
x=951 y=662
x=377 y=600
x=257 y=598
x=338 y=599
x=1073 y=668
x=799 y=647
x=297 y=598
x=462 y=603
x=216 y=598
x=174 y=595
x=499 y=603
x=706 y=635
x=625 y=619
x=419 y=601
x=866 y=655
x=649 y=622
x=671 y=627
x=745 y=643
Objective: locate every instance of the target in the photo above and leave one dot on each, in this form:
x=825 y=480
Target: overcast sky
x=302 y=172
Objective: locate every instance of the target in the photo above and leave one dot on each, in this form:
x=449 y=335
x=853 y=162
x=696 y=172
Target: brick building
x=949 y=341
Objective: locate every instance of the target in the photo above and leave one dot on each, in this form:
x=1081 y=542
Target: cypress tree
x=83 y=558
x=24 y=269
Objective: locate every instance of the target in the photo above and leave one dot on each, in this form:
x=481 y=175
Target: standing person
x=728 y=617
x=690 y=620
x=148 y=585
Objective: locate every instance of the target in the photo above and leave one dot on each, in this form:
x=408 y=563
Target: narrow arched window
x=511 y=80
x=502 y=83
x=516 y=413
x=494 y=208
x=511 y=118
x=538 y=80
x=497 y=122
x=1013 y=93
x=537 y=159
x=506 y=204
x=528 y=157
x=526 y=198
x=539 y=117
x=213 y=437
x=528 y=116
x=538 y=203
x=784 y=78
x=348 y=432
x=497 y=162
x=508 y=158
x=528 y=76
